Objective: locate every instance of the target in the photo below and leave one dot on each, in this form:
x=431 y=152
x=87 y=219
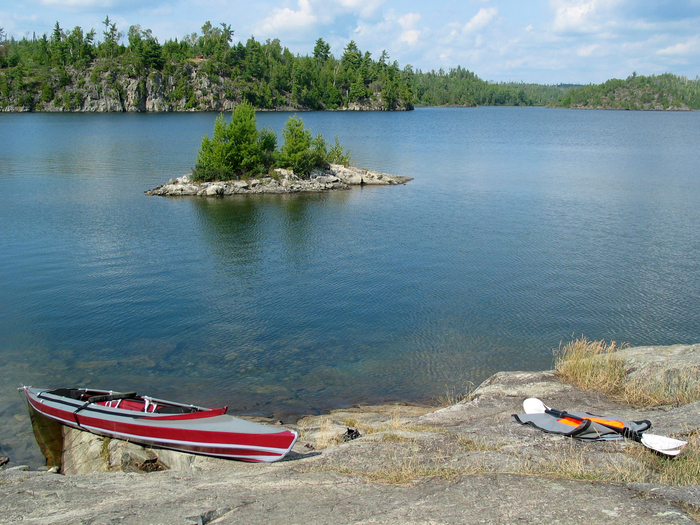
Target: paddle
x=661 y=444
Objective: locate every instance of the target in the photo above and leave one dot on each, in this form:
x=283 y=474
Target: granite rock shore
x=465 y=463
x=335 y=177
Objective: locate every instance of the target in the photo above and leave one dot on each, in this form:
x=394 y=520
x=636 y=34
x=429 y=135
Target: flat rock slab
x=278 y=494
x=466 y=463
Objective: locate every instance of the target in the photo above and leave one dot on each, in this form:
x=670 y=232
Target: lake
x=522 y=228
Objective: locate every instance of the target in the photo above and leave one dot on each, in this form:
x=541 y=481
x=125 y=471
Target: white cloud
x=80 y=5
x=409 y=20
x=410 y=35
x=573 y=15
x=286 y=20
x=312 y=14
x=587 y=51
x=684 y=48
x=364 y=8
x=589 y=16
x=481 y=19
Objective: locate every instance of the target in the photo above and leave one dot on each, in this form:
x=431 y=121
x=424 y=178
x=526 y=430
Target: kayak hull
x=163 y=424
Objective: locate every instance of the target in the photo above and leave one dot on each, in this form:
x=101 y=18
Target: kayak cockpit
x=125 y=401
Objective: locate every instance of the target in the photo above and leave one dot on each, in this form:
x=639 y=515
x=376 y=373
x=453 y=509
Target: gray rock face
x=86 y=453
x=466 y=463
x=337 y=177
x=645 y=361
x=102 y=89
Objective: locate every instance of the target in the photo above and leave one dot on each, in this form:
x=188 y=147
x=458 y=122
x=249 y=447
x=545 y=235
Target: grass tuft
x=597 y=365
x=453 y=395
x=590 y=365
x=407 y=469
x=476 y=445
x=326 y=437
x=683 y=469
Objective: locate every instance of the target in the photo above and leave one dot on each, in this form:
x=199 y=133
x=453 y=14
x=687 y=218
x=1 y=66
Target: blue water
x=522 y=228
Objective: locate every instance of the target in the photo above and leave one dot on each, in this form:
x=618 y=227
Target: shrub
x=295 y=153
x=338 y=155
x=236 y=149
x=46 y=93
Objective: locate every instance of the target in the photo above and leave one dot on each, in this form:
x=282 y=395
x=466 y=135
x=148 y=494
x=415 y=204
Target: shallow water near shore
x=522 y=228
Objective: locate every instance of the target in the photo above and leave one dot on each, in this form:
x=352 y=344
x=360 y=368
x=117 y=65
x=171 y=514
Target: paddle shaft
x=106 y=397
x=627 y=432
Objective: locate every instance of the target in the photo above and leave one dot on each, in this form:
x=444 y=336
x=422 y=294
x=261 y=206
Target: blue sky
x=543 y=41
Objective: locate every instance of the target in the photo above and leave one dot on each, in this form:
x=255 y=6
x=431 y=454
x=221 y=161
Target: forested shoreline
x=636 y=92
x=75 y=70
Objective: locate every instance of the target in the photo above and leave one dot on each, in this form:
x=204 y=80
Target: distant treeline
x=74 y=70
x=55 y=70
x=657 y=92
x=461 y=87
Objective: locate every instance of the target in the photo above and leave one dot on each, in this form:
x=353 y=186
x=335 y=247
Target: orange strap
x=608 y=422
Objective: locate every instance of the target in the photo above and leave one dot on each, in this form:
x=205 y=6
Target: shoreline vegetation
x=79 y=71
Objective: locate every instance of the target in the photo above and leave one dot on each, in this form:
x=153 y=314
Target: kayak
x=164 y=424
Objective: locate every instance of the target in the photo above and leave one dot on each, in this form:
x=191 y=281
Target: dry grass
x=453 y=395
x=395 y=422
x=326 y=437
x=476 y=445
x=590 y=365
x=671 y=387
x=351 y=422
x=404 y=469
x=636 y=464
x=683 y=469
x=572 y=460
x=570 y=463
x=692 y=511
x=303 y=430
x=390 y=437
x=569 y=459
x=596 y=365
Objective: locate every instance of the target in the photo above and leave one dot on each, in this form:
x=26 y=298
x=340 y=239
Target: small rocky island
x=334 y=177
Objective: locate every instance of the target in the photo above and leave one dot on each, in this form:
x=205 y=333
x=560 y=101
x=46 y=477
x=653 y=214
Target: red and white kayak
x=164 y=424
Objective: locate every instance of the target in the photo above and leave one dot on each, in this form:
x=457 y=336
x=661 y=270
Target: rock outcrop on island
x=335 y=177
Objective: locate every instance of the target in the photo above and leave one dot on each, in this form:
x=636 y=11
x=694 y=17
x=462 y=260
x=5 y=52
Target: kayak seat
x=71 y=393
x=131 y=404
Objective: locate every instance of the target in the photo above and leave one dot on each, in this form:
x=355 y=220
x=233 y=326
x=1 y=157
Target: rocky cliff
x=120 y=89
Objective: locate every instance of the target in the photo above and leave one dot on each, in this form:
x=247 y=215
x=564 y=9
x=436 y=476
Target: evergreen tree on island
x=237 y=149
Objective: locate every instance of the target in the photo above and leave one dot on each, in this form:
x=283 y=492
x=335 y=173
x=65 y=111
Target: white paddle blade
x=532 y=405
x=670 y=452
x=662 y=444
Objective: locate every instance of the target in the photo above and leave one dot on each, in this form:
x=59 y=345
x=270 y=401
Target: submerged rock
x=336 y=177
